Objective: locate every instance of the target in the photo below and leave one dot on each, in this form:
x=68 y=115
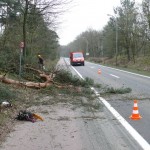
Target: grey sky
x=86 y=14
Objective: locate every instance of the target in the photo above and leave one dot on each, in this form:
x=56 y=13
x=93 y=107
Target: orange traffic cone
x=99 y=71
x=135 y=113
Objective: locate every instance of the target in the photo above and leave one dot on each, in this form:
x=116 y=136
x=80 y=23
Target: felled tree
x=47 y=78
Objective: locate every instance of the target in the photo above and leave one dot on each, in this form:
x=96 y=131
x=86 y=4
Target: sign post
x=21 y=52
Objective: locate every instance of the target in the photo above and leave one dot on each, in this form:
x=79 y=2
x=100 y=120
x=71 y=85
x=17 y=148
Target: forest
x=28 y=28
x=123 y=41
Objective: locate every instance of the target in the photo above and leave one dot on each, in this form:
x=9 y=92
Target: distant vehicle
x=76 y=58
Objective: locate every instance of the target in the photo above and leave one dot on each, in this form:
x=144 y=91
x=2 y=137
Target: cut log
x=48 y=78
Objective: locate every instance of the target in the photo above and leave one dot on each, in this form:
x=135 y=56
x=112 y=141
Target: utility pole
x=116 y=40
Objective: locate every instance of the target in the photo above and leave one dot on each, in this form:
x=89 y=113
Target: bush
x=66 y=77
x=6 y=93
x=118 y=91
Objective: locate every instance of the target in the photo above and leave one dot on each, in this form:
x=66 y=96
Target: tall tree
x=127 y=22
x=32 y=22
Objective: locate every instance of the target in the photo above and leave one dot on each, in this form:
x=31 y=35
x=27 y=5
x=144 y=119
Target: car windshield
x=77 y=55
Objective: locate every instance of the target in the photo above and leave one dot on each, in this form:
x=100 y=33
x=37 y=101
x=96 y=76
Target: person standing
x=41 y=62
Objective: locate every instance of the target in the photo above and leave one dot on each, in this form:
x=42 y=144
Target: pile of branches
x=48 y=80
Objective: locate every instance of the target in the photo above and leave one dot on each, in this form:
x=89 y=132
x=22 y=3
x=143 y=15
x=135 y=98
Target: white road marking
x=114 y=76
x=119 y=70
x=77 y=72
x=142 y=142
x=92 y=67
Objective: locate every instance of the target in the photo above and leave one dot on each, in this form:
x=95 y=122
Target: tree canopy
x=32 y=22
x=126 y=35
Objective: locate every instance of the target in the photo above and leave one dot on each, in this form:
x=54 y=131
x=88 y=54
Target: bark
x=48 y=78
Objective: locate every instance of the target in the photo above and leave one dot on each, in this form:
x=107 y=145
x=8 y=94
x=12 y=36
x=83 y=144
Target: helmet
x=39 y=55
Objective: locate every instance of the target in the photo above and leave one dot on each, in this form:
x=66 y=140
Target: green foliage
x=96 y=59
x=39 y=35
x=118 y=91
x=9 y=62
x=67 y=77
x=89 y=82
x=131 y=26
x=6 y=94
x=97 y=85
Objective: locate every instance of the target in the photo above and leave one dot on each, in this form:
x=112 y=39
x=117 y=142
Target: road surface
x=116 y=78
x=70 y=127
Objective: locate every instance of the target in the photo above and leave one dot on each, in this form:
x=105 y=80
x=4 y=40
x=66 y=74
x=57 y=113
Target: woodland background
x=124 y=41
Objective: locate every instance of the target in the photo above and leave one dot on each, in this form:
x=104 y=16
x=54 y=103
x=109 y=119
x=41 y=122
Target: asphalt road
x=70 y=127
x=123 y=104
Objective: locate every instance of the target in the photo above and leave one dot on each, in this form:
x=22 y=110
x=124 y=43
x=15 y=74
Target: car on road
x=76 y=58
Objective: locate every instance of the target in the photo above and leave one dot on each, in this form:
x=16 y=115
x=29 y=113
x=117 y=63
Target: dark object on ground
x=26 y=116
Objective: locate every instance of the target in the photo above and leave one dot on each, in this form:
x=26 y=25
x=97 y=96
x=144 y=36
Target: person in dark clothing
x=41 y=62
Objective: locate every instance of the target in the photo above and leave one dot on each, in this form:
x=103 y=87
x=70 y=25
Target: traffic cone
x=99 y=71
x=135 y=113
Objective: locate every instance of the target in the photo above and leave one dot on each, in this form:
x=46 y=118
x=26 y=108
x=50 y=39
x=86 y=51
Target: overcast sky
x=84 y=15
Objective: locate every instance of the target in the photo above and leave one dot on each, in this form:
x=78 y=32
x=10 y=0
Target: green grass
x=7 y=93
x=118 y=91
x=141 y=66
x=133 y=70
x=111 y=90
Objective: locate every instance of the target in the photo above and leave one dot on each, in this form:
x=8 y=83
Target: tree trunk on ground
x=48 y=78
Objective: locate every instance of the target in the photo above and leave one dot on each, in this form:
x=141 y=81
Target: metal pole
x=21 y=50
x=87 y=46
x=116 y=40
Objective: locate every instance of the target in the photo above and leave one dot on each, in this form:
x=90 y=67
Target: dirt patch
x=59 y=130
x=59 y=112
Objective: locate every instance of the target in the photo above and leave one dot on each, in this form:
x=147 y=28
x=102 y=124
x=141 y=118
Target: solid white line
x=114 y=76
x=142 y=142
x=120 y=70
x=92 y=67
x=76 y=71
